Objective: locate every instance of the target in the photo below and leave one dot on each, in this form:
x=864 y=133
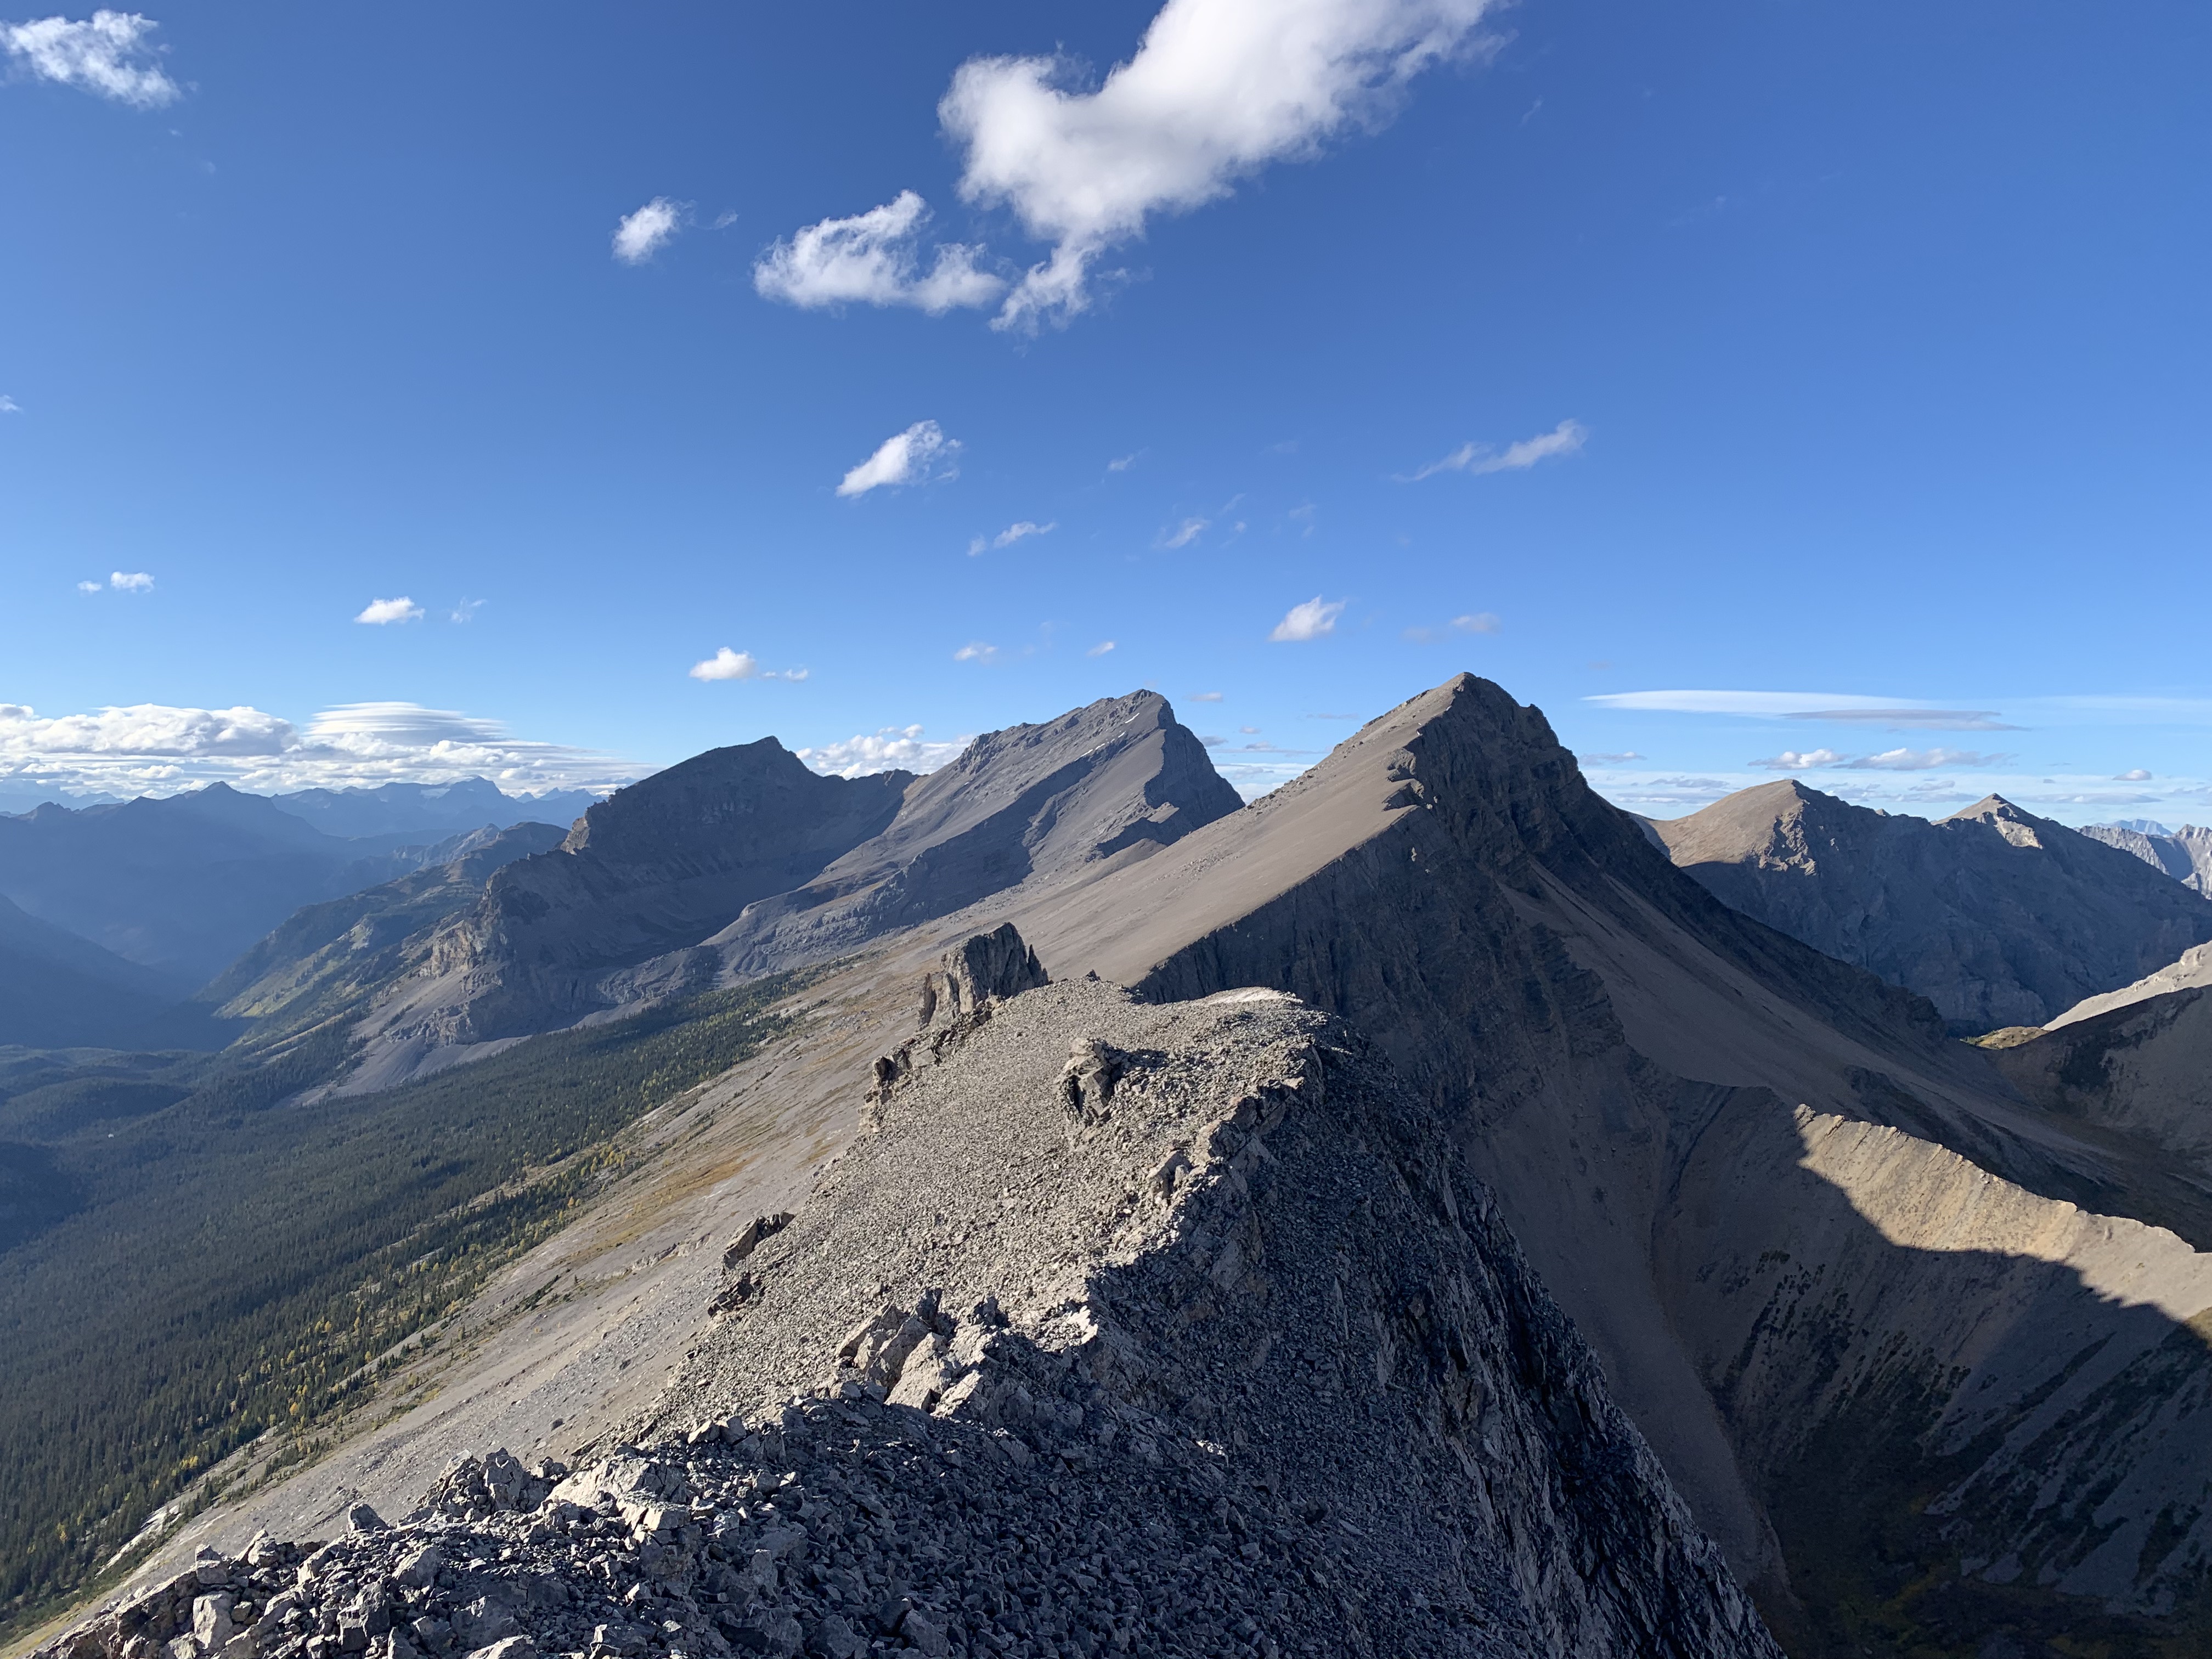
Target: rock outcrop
x=1997 y=917
x=2186 y=854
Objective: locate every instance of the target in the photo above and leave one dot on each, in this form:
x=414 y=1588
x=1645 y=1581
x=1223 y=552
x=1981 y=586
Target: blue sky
x=1847 y=361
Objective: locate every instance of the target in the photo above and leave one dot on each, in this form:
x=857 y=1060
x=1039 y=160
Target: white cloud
x=1205 y=697
x=379 y=612
x=921 y=454
x=640 y=235
x=977 y=650
x=1564 y=439
x=129 y=581
x=1620 y=759
x=1009 y=535
x=87 y=587
x=9 y=406
x=466 y=610
x=1216 y=90
x=900 y=747
x=874 y=258
x=728 y=665
x=1122 y=463
x=2134 y=775
x=1483 y=622
x=152 y=748
x=107 y=55
x=1100 y=649
x=1184 y=533
x=1308 y=620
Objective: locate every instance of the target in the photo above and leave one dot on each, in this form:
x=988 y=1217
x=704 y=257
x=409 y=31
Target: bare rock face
x=653 y=867
x=1847 y=1285
x=2186 y=854
x=2143 y=1065
x=1027 y=804
x=1998 y=917
x=742 y=862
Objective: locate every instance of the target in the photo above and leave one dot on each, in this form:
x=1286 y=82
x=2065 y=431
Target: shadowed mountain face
x=1853 y=1290
x=1998 y=917
x=327 y=956
x=59 y=991
x=182 y=886
x=2186 y=854
x=742 y=861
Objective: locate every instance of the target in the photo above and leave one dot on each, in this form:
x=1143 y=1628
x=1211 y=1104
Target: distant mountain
x=2185 y=854
x=741 y=860
x=430 y=812
x=1997 y=917
x=184 y=884
x=57 y=990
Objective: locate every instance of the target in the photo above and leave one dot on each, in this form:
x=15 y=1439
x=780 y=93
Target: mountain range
x=2185 y=854
x=1997 y=916
x=178 y=888
x=1913 y=1327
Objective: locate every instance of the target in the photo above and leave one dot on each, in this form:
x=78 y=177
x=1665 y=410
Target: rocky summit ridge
x=1149 y=1329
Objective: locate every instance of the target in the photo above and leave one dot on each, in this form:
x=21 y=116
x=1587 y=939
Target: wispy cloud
x=1205 y=697
x=1123 y=462
x=1564 y=439
x=2134 y=775
x=1100 y=649
x=382 y=612
x=977 y=650
x=642 y=235
x=156 y=748
x=921 y=454
x=1890 y=760
x=466 y=610
x=1480 y=622
x=1308 y=620
x=875 y=258
x=1184 y=534
x=9 y=406
x=1836 y=708
x=1620 y=759
x=1009 y=535
x=109 y=55
x=901 y=748
x=728 y=665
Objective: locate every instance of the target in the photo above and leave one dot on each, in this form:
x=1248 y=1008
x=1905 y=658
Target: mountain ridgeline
x=1916 y=1329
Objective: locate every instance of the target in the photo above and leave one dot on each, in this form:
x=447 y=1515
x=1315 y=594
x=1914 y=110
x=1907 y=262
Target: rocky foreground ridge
x=1150 y=1329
